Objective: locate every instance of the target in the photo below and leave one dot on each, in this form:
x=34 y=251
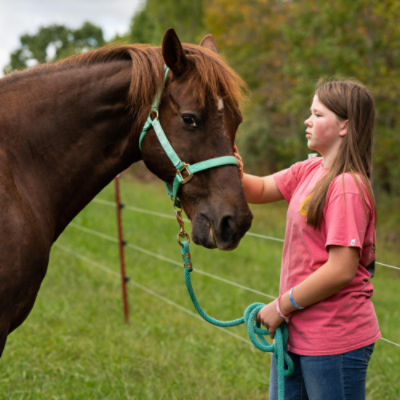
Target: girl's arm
x=334 y=275
x=259 y=189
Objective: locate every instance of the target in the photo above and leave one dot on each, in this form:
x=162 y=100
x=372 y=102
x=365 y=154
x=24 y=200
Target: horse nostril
x=227 y=227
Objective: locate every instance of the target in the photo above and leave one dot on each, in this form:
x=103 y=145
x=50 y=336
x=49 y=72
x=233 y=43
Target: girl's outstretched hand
x=237 y=155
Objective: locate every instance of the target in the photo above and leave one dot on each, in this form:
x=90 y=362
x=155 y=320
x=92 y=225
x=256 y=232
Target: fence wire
x=163 y=215
x=171 y=261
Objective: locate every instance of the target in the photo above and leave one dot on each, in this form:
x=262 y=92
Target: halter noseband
x=184 y=171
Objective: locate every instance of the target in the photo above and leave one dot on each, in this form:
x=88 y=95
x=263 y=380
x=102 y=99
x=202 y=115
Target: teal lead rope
x=255 y=332
x=184 y=174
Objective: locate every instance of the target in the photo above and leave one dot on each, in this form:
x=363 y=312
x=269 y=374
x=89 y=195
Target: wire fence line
x=168 y=260
x=163 y=258
x=168 y=216
x=145 y=289
x=163 y=215
x=155 y=294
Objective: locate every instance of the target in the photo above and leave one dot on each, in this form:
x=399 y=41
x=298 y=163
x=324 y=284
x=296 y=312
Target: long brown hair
x=351 y=101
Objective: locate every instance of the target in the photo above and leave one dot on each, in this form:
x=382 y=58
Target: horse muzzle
x=223 y=232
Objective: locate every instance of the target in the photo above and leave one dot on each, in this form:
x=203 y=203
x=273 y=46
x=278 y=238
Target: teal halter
x=184 y=171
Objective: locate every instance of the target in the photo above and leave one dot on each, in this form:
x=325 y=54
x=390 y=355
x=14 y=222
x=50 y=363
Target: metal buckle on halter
x=153 y=114
x=184 y=174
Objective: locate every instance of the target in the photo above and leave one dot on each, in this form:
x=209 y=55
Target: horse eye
x=190 y=120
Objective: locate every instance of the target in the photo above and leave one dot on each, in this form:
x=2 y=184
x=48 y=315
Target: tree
x=149 y=24
x=250 y=35
x=282 y=47
x=54 y=42
x=352 y=39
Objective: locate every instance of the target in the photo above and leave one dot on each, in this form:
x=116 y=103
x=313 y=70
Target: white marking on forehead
x=220 y=104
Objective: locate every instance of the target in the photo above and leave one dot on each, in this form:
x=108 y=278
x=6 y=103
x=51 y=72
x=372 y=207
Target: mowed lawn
x=76 y=345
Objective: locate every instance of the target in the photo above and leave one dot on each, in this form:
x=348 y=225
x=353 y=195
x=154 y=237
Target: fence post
x=122 y=243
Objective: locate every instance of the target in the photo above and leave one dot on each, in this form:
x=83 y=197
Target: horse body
x=66 y=130
x=67 y=144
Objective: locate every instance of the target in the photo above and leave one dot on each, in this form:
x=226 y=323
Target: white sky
x=26 y=16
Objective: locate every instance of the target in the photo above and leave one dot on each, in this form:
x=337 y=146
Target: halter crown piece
x=184 y=171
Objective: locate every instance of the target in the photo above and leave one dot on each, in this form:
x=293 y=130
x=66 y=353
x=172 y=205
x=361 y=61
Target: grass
x=75 y=344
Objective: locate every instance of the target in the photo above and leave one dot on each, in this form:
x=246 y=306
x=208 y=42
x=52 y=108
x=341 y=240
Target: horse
x=68 y=128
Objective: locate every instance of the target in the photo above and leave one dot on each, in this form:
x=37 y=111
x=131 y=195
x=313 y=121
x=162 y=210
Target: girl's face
x=324 y=130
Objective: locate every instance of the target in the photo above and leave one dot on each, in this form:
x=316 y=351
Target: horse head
x=199 y=114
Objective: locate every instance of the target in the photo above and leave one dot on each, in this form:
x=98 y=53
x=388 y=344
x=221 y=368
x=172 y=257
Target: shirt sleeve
x=288 y=179
x=347 y=214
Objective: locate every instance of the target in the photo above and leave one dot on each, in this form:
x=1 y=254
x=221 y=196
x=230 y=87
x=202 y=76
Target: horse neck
x=75 y=135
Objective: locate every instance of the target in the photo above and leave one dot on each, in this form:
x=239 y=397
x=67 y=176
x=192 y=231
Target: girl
x=329 y=249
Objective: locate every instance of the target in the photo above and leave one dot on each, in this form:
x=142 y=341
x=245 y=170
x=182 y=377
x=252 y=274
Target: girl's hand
x=237 y=155
x=269 y=317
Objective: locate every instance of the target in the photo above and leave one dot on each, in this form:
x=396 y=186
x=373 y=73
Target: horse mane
x=214 y=76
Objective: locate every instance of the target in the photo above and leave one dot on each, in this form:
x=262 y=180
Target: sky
x=27 y=16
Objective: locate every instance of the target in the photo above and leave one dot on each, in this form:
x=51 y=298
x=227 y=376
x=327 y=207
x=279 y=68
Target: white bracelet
x=278 y=309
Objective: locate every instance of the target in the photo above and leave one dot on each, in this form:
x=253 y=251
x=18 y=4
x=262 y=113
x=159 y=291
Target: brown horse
x=67 y=129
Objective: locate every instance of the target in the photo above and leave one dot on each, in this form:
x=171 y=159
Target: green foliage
x=149 y=24
x=261 y=144
x=282 y=48
x=54 y=42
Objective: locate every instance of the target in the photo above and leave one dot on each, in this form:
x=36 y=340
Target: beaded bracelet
x=278 y=309
x=292 y=300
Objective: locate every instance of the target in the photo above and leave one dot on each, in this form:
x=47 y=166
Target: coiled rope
x=256 y=333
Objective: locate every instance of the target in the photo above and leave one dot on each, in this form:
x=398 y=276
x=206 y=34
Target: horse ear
x=209 y=42
x=173 y=53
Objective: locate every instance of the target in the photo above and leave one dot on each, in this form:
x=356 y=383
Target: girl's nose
x=307 y=122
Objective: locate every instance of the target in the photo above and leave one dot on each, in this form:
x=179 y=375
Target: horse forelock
x=215 y=77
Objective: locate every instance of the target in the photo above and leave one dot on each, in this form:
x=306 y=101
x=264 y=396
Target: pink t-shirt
x=345 y=321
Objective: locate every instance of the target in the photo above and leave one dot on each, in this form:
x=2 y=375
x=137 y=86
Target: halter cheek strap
x=184 y=171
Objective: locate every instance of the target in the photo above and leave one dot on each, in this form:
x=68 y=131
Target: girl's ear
x=343 y=127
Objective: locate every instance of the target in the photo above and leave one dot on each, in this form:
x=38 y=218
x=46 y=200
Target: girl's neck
x=329 y=157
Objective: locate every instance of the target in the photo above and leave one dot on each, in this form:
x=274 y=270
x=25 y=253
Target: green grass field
x=75 y=344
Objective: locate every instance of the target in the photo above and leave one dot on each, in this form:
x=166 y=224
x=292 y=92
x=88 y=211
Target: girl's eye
x=191 y=121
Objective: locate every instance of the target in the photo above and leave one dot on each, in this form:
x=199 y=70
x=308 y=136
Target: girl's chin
x=311 y=146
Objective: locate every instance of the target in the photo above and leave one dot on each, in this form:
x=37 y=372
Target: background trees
x=281 y=49
x=53 y=43
x=149 y=24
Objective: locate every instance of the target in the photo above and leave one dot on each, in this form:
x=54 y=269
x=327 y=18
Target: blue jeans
x=337 y=377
